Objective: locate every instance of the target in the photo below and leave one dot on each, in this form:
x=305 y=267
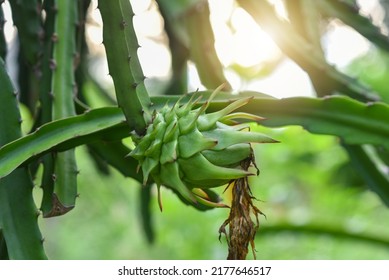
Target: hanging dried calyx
x=242 y=228
x=189 y=150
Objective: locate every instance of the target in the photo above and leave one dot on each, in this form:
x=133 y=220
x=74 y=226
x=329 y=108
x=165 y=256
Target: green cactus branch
x=377 y=179
x=303 y=15
x=326 y=78
x=45 y=93
x=3 y=247
x=3 y=43
x=18 y=217
x=356 y=123
x=328 y=116
x=103 y=121
x=188 y=25
x=349 y=14
x=353 y=121
x=18 y=214
x=202 y=46
x=65 y=173
x=46 y=103
x=26 y=17
x=63 y=59
x=121 y=44
x=145 y=211
x=314 y=229
x=115 y=154
x=179 y=79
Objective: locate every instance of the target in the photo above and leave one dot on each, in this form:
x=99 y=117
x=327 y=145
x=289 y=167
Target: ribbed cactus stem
x=26 y=17
x=121 y=45
x=18 y=214
x=46 y=102
x=202 y=45
x=63 y=87
x=3 y=43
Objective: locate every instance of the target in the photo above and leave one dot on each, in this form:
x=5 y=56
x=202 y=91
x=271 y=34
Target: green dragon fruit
x=189 y=150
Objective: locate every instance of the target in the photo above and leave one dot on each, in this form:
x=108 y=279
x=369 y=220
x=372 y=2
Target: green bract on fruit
x=189 y=150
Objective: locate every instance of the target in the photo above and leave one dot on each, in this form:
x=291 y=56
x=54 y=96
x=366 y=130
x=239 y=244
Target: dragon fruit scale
x=189 y=150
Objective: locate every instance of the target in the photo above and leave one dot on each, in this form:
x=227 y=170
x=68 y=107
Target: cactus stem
x=159 y=198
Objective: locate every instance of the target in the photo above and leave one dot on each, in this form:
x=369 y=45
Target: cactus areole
x=189 y=150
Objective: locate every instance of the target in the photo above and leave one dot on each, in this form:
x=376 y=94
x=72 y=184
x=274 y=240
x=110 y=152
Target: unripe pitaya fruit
x=187 y=149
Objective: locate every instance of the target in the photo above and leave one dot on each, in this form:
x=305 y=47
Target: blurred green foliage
x=373 y=69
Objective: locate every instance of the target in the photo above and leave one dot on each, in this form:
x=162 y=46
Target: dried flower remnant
x=242 y=228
